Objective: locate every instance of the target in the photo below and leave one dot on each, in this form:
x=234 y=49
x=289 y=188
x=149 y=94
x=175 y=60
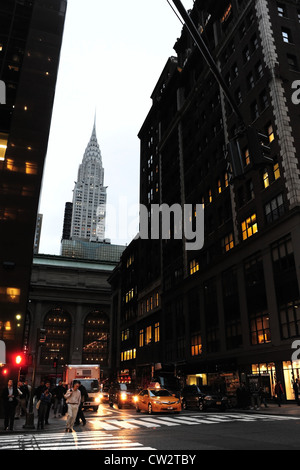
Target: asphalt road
x=125 y=430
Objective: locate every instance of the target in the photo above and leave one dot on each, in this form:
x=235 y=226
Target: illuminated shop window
x=249 y=227
x=31 y=168
x=3 y=145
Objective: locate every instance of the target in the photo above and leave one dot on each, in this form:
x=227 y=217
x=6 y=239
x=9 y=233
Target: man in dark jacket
x=84 y=397
x=10 y=400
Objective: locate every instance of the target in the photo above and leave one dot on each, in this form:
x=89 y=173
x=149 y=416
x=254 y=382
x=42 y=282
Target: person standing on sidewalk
x=73 y=399
x=279 y=392
x=58 y=394
x=45 y=402
x=10 y=400
x=296 y=391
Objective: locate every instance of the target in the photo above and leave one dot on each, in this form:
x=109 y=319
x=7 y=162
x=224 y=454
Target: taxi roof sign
x=2 y=353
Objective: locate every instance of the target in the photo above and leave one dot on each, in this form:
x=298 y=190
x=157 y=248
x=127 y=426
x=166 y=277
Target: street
x=125 y=430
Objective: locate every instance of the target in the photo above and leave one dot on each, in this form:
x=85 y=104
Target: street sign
x=2 y=353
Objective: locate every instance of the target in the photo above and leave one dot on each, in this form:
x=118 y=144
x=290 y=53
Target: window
x=290 y=320
x=156 y=333
x=254 y=111
x=250 y=81
x=264 y=100
x=276 y=170
x=194 y=267
x=259 y=70
x=266 y=179
x=260 y=328
x=274 y=209
x=3 y=145
x=196 y=345
x=249 y=227
x=286 y=35
x=210 y=196
x=228 y=243
x=270 y=133
x=141 y=338
x=219 y=186
x=292 y=62
x=247 y=157
x=226 y=179
x=148 y=334
x=281 y=10
x=246 y=54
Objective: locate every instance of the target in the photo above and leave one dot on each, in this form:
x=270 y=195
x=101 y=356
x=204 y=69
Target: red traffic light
x=19 y=360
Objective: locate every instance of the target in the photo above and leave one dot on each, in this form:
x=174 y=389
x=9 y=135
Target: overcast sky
x=112 y=56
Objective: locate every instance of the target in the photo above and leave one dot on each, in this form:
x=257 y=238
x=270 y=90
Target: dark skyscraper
x=30 y=42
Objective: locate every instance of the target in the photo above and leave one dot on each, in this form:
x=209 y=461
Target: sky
x=112 y=55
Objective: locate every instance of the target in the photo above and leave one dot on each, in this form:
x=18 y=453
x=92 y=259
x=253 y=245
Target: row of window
x=149 y=304
x=149 y=335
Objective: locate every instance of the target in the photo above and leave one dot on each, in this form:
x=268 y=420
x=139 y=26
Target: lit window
x=286 y=35
x=196 y=345
x=148 y=334
x=141 y=338
x=247 y=157
x=194 y=267
x=226 y=178
x=210 y=196
x=228 y=243
x=266 y=179
x=10 y=294
x=249 y=227
x=3 y=145
x=276 y=170
x=226 y=14
x=31 y=168
x=156 y=333
x=219 y=186
x=271 y=133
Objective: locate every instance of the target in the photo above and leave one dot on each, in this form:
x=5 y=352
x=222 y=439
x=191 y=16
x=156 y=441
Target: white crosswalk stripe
x=92 y=440
x=188 y=420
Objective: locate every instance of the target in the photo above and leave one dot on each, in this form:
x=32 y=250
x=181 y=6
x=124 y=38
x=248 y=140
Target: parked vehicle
x=157 y=399
x=194 y=397
x=121 y=394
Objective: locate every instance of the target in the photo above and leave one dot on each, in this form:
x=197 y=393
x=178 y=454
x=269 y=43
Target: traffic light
x=4 y=371
x=19 y=360
x=235 y=167
x=259 y=147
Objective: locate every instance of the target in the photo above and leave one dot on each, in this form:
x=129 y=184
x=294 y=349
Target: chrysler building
x=89 y=196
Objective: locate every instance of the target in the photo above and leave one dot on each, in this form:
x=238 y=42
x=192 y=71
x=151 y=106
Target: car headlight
x=98 y=399
x=123 y=396
x=135 y=399
x=156 y=402
x=101 y=396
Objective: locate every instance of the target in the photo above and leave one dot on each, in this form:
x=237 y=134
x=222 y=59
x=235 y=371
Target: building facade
x=89 y=196
x=229 y=311
x=70 y=299
x=30 y=42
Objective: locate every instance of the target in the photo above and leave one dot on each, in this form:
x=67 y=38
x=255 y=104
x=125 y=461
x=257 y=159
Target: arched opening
x=57 y=324
x=95 y=339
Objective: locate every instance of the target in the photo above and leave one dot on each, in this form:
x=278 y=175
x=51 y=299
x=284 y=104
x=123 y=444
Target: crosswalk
x=118 y=424
x=90 y=440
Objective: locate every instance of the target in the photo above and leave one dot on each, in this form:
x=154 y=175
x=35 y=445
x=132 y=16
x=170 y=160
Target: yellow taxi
x=155 y=400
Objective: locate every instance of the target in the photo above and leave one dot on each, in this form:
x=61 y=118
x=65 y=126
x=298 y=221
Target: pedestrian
x=84 y=397
x=47 y=387
x=58 y=395
x=73 y=399
x=45 y=402
x=279 y=392
x=39 y=390
x=9 y=397
x=29 y=388
x=255 y=397
x=296 y=391
x=263 y=396
x=22 y=400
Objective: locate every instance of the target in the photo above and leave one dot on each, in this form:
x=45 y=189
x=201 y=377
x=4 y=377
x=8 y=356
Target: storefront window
x=291 y=372
x=266 y=373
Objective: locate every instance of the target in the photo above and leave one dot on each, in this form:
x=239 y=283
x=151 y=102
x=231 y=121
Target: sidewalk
x=287 y=409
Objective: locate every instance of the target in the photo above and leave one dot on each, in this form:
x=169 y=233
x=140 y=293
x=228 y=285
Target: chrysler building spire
x=89 y=197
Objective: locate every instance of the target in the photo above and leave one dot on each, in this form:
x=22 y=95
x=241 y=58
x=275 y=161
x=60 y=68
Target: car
x=157 y=399
x=194 y=397
x=121 y=394
x=104 y=393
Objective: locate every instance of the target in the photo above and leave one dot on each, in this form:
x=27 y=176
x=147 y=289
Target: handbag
x=38 y=404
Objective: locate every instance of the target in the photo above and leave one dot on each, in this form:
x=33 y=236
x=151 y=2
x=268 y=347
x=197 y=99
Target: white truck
x=89 y=376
